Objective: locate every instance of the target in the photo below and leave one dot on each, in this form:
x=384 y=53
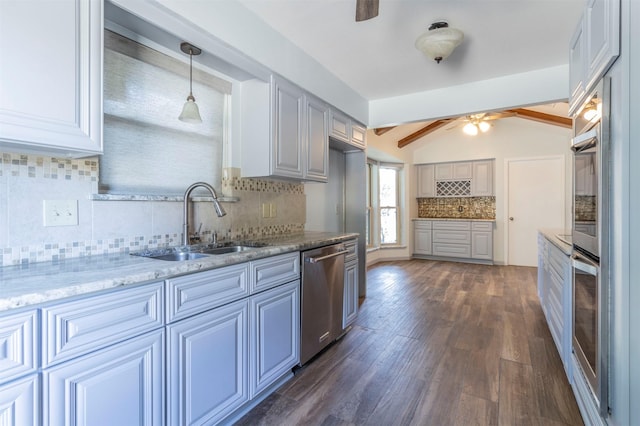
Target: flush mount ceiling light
x=439 y=41
x=190 y=112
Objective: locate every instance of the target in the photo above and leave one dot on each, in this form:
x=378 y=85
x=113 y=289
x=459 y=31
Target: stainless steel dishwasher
x=322 y=295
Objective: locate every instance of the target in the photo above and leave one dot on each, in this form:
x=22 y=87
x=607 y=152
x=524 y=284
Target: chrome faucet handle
x=214 y=237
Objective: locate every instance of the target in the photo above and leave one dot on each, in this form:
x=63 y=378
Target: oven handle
x=583 y=264
x=585 y=140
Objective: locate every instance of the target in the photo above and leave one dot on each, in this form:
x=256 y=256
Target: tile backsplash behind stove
x=457 y=208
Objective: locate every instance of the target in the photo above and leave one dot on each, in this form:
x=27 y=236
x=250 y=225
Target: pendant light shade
x=439 y=41
x=190 y=112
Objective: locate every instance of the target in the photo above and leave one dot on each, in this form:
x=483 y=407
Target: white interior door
x=535 y=200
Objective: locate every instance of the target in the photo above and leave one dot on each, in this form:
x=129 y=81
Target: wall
x=117 y=225
x=509 y=138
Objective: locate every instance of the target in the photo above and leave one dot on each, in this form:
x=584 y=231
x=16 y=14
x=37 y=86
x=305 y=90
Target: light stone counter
x=34 y=283
x=552 y=236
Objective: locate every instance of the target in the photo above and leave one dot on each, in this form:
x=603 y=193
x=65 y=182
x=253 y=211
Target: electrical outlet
x=266 y=210
x=60 y=212
x=274 y=210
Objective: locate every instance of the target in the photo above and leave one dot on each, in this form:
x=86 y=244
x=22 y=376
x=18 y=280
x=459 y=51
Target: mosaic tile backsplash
x=122 y=226
x=459 y=208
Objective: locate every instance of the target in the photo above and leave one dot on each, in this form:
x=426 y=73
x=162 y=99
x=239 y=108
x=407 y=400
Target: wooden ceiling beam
x=432 y=127
x=542 y=117
x=382 y=130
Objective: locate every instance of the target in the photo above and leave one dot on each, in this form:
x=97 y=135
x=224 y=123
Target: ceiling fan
x=475 y=123
x=366 y=9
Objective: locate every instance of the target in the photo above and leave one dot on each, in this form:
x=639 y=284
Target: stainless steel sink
x=178 y=256
x=225 y=250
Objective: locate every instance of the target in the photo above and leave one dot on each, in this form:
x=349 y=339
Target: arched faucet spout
x=185 y=211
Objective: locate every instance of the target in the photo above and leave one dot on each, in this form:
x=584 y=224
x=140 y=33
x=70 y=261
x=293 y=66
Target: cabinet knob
x=511 y=218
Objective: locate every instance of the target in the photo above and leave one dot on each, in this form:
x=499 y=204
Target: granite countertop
x=25 y=285
x=552 y=236
x=454 y=218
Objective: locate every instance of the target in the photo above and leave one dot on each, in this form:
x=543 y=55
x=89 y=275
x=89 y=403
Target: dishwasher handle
x=328 y=256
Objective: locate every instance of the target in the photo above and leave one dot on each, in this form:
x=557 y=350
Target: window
x=147 y=150
x=384 y=183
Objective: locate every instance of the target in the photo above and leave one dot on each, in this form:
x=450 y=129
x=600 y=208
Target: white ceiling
x=377 y=57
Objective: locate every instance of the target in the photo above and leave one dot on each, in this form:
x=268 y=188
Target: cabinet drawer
x=451 y=237
x=72 y=328
x=352 y=247
x=456 y=225
x=199 y=292
x=18 y=344
x=422 y=224
x=451 y=250
x=481 y=226
x=272 y=271
x=558 y=261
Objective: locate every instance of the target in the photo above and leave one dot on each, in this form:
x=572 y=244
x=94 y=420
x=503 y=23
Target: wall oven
x=590 y=243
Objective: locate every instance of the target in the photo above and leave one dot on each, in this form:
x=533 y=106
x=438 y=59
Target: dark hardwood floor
x=435 y=343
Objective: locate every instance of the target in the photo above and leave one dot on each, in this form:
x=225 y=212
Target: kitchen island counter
x=25 y=285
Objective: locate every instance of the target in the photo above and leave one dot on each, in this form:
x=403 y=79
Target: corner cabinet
x=594 y=46
x=58 y=109
x=284 y=131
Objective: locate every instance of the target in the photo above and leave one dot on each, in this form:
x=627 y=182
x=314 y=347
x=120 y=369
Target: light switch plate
x=60 y=212
x=266 y=210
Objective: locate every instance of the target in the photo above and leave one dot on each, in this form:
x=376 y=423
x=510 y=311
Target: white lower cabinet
x=120 y=385
x=422 y=237
x=20 y=402
x=208 y=365
x=555 y=292
x=275 y=335
x=350 y=301
x=461 y=240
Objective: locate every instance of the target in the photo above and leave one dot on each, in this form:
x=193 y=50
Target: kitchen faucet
x=185 y=224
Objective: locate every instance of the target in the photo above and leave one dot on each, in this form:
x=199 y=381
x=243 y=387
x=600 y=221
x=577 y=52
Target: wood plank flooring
x=435 y=343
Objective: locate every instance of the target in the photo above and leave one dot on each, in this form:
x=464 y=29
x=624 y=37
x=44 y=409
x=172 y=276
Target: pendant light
x=190 y=112
x=439 y=41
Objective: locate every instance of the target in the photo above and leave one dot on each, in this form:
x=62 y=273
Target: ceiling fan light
x=484 y=126
x=439 y=41
x=470 y=129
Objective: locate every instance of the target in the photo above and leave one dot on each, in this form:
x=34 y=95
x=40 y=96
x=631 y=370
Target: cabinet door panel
x=208 y=364
x=482 y=181
x=317 y=141
x=120 y=385
x=350 y=306
x=422 y=241
x=20 y=402
x=577 y=66
x=603 y=47
x=482 y=245
x=444 y=171
x=358 y=135
x=287 y=130
x=339 y=126
x=462 y=170
x=59 y=107
x=274 y=335
x=18 y=345
x=426 y=181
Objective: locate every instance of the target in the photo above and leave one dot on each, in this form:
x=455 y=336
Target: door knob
x=511 y=219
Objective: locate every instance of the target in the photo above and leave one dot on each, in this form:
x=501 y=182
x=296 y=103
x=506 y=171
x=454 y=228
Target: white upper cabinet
x=51 y=76
x=426 y=182
x=283 y=134
x=453 y=171
x=594 y=47
x=344 y=129
x=482 y=182
x=316 y=139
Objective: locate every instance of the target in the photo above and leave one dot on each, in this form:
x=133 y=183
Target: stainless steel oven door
x=590 y=326
x=586 y=171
